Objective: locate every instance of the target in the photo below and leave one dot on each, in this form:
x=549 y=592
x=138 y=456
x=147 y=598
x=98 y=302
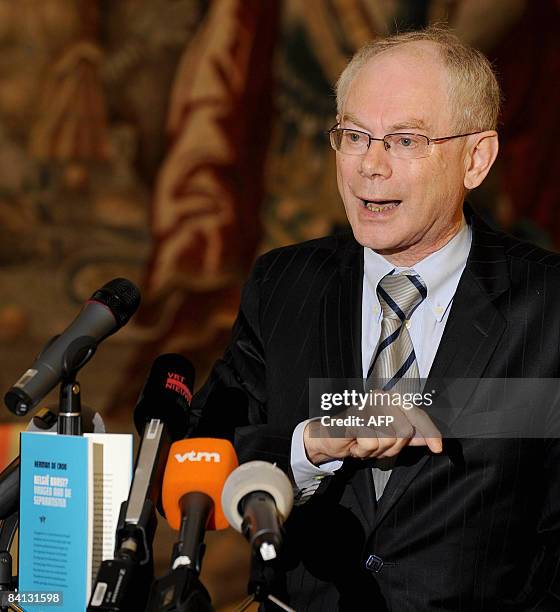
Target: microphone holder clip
x=70 y=408
x=122 y=583
x=78 y=353
x=142 y=532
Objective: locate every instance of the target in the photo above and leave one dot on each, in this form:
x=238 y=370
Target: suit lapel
x=473 y=330
x=340 y=318
x=341 y=334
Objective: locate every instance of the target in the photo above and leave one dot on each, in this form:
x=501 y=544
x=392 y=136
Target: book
x=71 y=489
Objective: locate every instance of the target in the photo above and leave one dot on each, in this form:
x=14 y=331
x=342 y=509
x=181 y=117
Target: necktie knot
x=400 y=294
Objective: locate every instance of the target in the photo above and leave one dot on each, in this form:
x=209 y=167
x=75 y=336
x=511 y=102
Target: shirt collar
x=440 y=271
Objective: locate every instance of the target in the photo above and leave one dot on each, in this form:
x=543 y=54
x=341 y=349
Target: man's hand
x=409 y=427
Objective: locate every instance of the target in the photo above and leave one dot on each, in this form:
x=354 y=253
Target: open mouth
x=380 y=205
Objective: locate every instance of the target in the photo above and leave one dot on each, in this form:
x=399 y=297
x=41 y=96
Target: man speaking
x=421 y=289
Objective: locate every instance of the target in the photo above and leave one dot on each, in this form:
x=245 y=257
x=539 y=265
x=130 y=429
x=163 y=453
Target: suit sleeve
x=233 y=402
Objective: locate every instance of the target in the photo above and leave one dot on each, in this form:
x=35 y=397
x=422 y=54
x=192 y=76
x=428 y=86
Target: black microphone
x=196 y=471
x=161 y=416
x=166 y=395
x=108 y=309
x=257 y=498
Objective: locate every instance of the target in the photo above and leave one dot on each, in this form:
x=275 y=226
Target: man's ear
x=480 y=158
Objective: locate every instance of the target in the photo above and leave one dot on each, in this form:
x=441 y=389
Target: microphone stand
x=180 y=589
x=7 y=535
x=44 y=419
x=260 y=583
x=123 y=582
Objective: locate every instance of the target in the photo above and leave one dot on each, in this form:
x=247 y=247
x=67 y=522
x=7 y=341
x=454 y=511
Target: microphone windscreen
x=200 y=465
x=121 y=297
x=251 y=477
x=167 y=395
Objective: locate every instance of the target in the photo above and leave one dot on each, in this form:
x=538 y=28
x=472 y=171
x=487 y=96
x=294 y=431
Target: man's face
x=402 y=90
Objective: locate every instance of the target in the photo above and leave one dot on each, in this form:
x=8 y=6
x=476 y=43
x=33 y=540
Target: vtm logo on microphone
x=176 y=383
x=198 y=456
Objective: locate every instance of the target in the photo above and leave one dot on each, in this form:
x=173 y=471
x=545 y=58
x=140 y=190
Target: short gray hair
x=473 y=88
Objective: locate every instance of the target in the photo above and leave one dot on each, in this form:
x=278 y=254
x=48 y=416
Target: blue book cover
x=55 y=518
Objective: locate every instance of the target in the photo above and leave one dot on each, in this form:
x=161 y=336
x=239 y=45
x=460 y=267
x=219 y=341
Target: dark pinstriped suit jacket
x=475 y=528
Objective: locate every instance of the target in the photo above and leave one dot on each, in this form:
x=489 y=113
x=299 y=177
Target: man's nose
x=376 y=161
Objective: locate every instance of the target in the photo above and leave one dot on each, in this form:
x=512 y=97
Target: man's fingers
x=434 y=444
x=379 y=447
x=368 y=445
x=363 y=448
x=426 y=432
x=394 y=449
x=386 y=436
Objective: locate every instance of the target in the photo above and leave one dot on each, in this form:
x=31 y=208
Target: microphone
x=161 y=416
x=163 y=407
x=257 y=499
x=166 y=395
x=194 y=476
x=108 y=309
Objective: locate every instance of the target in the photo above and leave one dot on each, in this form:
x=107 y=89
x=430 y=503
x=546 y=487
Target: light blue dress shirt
x=441 y=272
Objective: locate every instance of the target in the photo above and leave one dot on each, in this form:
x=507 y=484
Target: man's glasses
x=400 y=145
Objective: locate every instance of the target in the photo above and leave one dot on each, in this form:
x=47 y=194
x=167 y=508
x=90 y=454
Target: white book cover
x=112 y=474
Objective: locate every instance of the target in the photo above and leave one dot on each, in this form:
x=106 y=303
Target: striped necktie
x=394 y=366
x=394 y=359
